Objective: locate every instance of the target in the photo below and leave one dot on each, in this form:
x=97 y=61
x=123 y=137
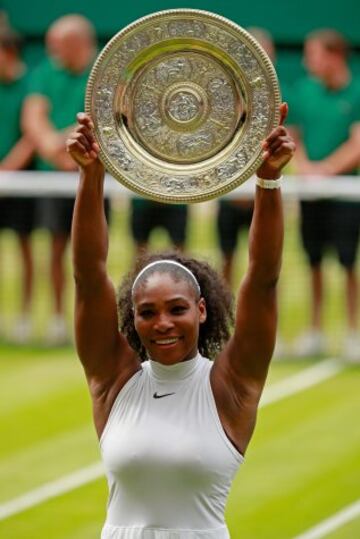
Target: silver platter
x=181 y=100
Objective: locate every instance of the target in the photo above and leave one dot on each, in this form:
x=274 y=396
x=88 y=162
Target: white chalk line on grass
x=293 y=384
x=332 y=523
x=303 y=380
x=51 y=490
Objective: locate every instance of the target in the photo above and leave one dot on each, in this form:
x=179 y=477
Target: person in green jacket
x=234 y=216
x=16 y=150
x=56 y=92
x=325 y=110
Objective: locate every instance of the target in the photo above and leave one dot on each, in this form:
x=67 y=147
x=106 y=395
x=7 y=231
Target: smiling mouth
x=169 y=340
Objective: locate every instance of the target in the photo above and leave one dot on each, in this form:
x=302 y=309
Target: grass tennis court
x=302 y=466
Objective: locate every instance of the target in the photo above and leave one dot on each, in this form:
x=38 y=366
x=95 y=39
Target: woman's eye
x=146 y=314
x=178 y=309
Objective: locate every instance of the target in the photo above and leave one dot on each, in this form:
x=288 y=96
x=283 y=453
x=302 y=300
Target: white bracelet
x=269 y=184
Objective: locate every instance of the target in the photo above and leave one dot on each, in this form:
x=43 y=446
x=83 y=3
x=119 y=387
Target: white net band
x=38 y=183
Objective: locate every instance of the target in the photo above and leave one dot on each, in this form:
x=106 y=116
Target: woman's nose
x=163 y=323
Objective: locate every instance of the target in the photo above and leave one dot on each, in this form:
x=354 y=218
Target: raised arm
x=107 y=358
x=240 y=371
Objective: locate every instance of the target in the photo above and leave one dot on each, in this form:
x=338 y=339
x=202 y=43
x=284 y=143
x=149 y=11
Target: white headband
x=167 y=261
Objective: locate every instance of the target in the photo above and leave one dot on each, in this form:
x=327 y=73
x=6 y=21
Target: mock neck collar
x=179 y=371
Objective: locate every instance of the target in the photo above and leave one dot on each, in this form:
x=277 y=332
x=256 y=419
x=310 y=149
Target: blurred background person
x=325 y=109
x=234 y=215
x=16 y=150
x=56 y=93
x=147 y=215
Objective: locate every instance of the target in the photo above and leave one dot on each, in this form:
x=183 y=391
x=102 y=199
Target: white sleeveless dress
x=168 y=461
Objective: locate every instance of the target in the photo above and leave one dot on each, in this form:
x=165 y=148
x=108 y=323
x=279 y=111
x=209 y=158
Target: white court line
x=51 y=490
x=331 y=524
x=276 y=392
x=303 y=380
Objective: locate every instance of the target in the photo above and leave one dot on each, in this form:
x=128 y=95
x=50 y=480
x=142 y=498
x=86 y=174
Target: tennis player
x=175 y=391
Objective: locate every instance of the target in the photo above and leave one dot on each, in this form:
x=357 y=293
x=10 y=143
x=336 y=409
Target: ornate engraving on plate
x=181 y=100
x=185 y=108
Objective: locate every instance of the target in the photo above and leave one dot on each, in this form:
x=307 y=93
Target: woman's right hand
x=81 y=143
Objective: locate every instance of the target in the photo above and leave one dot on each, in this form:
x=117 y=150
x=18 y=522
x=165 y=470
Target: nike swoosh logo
x=156 y=396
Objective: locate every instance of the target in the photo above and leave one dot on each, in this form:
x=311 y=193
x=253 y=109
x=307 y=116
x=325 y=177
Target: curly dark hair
x=214 y=332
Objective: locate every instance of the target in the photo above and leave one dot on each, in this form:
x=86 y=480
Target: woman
x=173 y=429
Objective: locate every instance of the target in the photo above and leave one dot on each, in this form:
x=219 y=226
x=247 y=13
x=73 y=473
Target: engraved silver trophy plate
x=181 y=100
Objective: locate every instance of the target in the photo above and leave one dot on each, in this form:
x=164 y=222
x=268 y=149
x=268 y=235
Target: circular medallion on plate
x=181 y=100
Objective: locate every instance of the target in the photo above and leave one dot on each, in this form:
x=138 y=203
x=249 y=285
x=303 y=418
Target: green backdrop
x=288 y=21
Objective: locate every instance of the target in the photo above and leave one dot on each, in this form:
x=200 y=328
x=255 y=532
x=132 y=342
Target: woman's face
x=167 y=317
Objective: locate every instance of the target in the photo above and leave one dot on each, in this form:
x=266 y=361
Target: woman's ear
x=202 y=310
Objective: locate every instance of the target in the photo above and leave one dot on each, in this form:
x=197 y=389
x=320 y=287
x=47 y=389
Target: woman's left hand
x=278 y=149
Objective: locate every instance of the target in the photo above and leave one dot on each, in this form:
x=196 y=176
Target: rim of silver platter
x=181 y=101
